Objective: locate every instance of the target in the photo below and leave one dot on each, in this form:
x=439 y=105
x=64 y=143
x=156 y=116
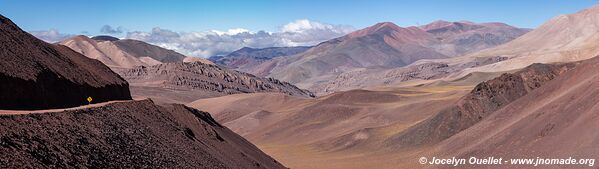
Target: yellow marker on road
x=89 y=99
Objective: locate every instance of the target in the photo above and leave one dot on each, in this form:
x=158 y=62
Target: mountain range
x=571 y=39
x=169 y=77
x=531 y=96
x=384 y=96
x=385 y=46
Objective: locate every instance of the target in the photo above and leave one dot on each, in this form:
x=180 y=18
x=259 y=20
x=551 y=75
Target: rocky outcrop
x=132 y=134
x=484 y=99
x=206 y=77
x=38 y=75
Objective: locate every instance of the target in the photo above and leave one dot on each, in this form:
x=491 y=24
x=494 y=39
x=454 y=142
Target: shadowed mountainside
x=38 y=75
x=134 y=134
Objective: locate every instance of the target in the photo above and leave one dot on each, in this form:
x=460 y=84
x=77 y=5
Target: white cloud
x=304 y=25
x=231 y=31
x=51 y=35
x=214 y=42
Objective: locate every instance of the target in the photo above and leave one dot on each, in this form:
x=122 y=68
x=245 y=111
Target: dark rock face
x=207 y=77
x=132 y=134
x=50 y=91
x=38 y=75
x=105 y=38
x=483 y=100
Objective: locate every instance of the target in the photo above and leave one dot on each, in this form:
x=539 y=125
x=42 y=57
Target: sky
x=204 y=28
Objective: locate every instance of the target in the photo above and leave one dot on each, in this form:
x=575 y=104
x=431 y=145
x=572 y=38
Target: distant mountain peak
x=435 y=25
x=81 y=38
x=385 y=24
x=439 y=24
x=379 y=28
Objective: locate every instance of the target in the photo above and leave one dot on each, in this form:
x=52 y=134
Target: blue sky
x=208 y=28
x=72 y=16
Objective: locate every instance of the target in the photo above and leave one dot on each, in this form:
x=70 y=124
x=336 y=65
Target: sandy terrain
x=339 y=129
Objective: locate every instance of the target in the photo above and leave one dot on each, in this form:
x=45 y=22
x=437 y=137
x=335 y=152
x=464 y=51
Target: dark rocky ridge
x=484 y=99
x=207 y=77
x=38 y=75
x=134 y=134
x=105 y=38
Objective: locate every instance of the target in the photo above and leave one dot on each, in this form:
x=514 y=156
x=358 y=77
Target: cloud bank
x=209 y=43
x=216 y=42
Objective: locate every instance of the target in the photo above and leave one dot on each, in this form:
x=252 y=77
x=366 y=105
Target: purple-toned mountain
x=385 y=46
x=246 y=58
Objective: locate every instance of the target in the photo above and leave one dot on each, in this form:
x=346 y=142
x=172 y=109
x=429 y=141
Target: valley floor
x=350 y=129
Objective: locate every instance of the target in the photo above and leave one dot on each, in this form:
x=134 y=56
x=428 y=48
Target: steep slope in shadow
x=38 y=75
x=134 y=134
x=483 y=100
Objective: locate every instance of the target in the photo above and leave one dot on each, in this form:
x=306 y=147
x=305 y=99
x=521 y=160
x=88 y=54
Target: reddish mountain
x=385 y=46
x=564 y=38
x=381 y=45
x=459 y=38
x=38 y=75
